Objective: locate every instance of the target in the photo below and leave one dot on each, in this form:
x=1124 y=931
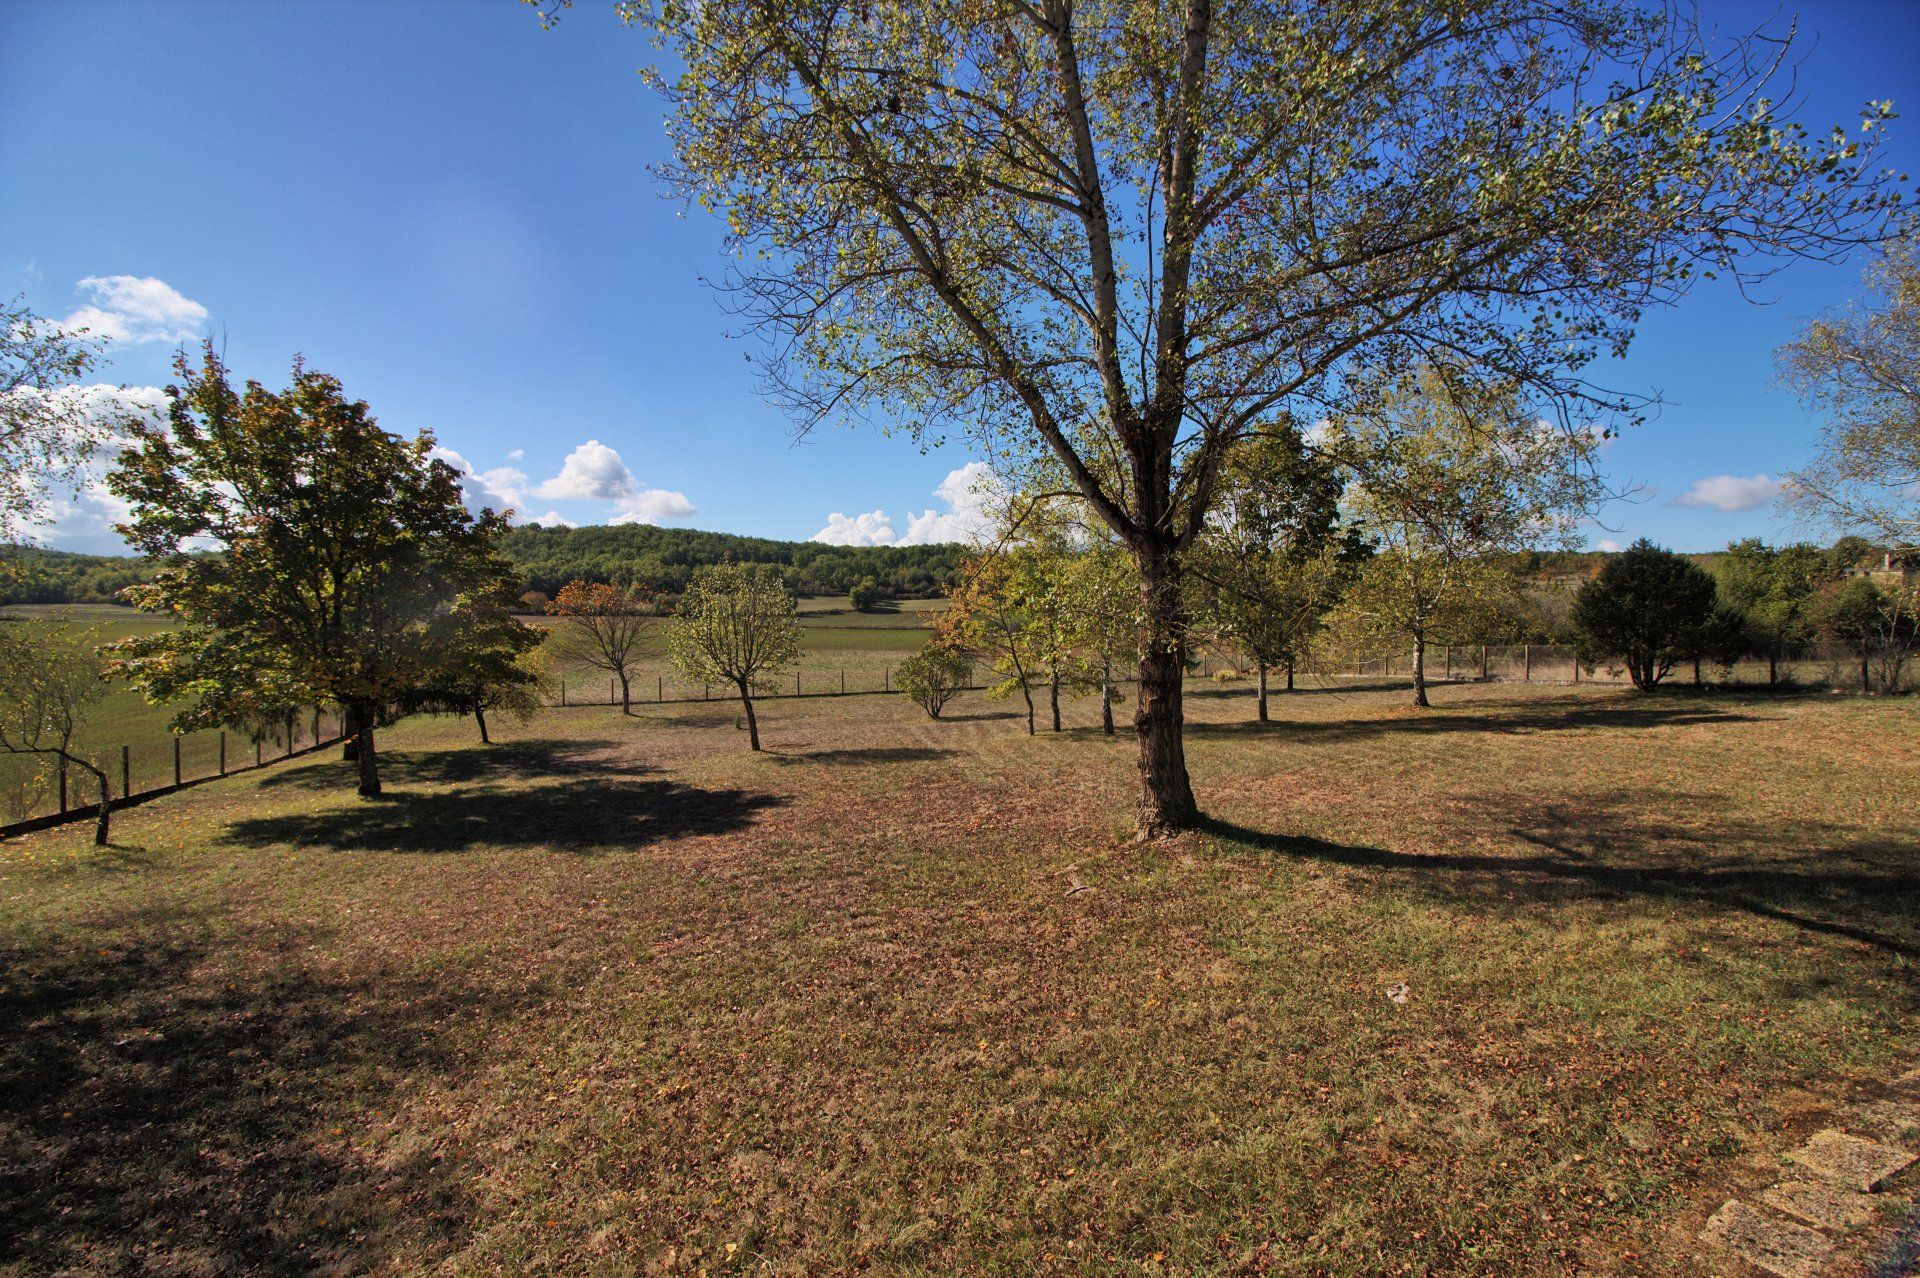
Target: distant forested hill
x=29 y=574
x=664 y=558
x=658 y=558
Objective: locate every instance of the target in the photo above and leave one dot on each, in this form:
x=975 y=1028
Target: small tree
x=865 y=595
x=1275 y=559
x=1648 y=607
x=50 y=677
x=1451 y=474
x=990 y=613
x=1878 y=627
x=736 y=625
x=1774 y=589
x=933 y=676
x=610 y=628
x=491 y=665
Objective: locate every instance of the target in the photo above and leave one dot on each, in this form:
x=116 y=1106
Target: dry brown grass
x=618 y=997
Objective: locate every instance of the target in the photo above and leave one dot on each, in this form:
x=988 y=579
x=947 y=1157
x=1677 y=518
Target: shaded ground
x=659 y=1005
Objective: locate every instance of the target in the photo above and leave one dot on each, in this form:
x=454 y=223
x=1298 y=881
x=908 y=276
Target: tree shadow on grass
x=1817 y=878
x=582 y=815
x=1521 y=717
x=862 y=756
x=161 y=1119
x=532 y=758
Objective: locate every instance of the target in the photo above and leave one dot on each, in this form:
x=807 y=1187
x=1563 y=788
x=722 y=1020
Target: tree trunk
x=1263 y=694
x=1027 y=693
x=1419 y=669
x=350 y=734
x=106 y=800
x=1166 y=795
x=1696 y=673
x=364 y=751
x=1106 y=697
x=626 y=695
x=1053 y=695
x=480 y=717
x=753 y=724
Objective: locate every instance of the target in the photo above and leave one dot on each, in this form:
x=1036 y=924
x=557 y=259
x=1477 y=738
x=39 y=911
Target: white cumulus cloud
x=500 y=489
x=651 y=505
x=591 y=472
x=970 y=493
x=1730 y=493
x=136 y=309
x=1609 y=545
x=81 y=516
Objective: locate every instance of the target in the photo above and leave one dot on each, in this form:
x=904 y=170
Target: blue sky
x=450 y=209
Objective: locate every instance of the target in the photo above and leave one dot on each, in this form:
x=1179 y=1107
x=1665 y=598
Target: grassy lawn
x=615 y=996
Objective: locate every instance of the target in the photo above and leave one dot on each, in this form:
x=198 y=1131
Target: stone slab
x=1852 y=1161
x=1820 y=1202
x=1769 y=1242
x=1894 y=1121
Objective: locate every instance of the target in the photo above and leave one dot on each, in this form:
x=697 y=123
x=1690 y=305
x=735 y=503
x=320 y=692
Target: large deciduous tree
x=1127 y=233
x=340 y=562
x=1862 y=370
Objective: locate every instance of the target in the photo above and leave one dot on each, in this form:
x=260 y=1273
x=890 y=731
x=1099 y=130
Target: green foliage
x=1276 y=558
x=33 y=575
x=1880 y=628
x=1773 y=589
x=1452 y=478
x=932 y=677
x=350 y=570
x=865 y=595
x=1648 y=608
x=735 y=625
x=663 y=560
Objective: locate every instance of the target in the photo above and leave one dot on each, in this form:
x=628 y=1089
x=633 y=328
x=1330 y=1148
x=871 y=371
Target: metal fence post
x=176 y=759
x=126 y=773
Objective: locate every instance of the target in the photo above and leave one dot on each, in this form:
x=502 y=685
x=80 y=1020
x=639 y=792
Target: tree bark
x=1053 y=694
x=626 y=696
x=1166 y=794
x=1263 y=694
x=753 y=724
x=364 y=752
x=1420 y=669
x=480 y=717
x=100 y=832
x=1106 y=697
x=350 y=734
x=1027 y=693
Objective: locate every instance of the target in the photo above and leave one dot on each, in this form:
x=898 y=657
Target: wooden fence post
x=63 y=783
x=843 y=683
x=316 y=725
x=563 y=690
x=660 y=688
x=1526 y=663
x=1483 y=663
x=1446 y=651
x=609 y=690
x=258 y=753
x=126 y=773
x=1576 y=667
x=176 y=759
x=223 y=754
x=886 y=679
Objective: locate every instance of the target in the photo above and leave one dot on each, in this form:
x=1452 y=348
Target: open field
x=615 y=996
x=840 y=644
